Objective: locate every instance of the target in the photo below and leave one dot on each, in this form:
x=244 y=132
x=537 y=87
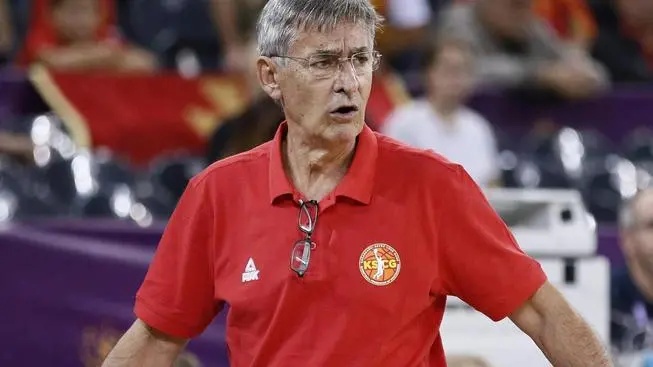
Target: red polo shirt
x=418 y=215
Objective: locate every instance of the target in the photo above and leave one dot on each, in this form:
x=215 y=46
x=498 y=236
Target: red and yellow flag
x=141 y=116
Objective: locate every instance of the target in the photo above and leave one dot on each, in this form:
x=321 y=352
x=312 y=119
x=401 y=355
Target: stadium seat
x=509 y=159
x=60 y=181
x=174 y=27
x=12 y=180
x=111 y=171
x=158 y=208
x=509 y=163
x=155 y=198
x=566 y=152
x=605 y=185
x=638 y=146
x=23 y=187
x=172 y=174
x=111 y=202
x=595 y=144
x=83 y=175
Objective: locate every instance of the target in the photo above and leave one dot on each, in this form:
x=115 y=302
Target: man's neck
x=643 y=280
x=315 y=167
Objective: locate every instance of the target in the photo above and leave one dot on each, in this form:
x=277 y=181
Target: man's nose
x=346 y=78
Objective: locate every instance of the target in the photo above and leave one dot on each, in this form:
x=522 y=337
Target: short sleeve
x=480 y=261
x=177 y=295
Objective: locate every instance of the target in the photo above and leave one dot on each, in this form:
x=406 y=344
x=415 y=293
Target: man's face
x=451 y=75
x=508 y=18
x=638 y=242
x=328 y=108
x=77 y=20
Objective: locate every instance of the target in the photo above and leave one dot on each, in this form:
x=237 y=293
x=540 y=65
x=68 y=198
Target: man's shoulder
x=245 y=163
x=400 y=158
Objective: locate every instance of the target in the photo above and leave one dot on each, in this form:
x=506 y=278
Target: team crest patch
x=379 y=264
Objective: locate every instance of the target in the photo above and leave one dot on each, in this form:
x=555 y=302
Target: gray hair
x=280 y=21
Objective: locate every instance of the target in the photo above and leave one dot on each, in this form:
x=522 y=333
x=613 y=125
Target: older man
x=632 y=285
x=293 y=234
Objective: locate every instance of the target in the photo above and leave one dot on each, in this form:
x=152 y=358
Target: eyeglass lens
x=300 y=257
x=301 y=252
x=326 y=65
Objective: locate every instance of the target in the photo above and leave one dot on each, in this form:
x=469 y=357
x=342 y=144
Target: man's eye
x=323 y=63
x=361 y=60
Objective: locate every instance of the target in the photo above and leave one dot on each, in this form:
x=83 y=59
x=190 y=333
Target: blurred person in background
x=254 y=126
x=6 y=32
x=625 y=38
x=515 y=49
x=235 y=21
x=77 y=35
x=258 y=123
x=571 y=20
x=441 y=121
x=632 y=285
x=405 y=31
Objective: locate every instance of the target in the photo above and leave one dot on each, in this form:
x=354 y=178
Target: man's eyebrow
x=359 y=49
x=325 y=51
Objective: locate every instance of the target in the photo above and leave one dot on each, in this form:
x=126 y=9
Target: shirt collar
x=357 y=183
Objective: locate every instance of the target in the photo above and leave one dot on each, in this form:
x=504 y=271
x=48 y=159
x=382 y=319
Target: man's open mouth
x=346 y=110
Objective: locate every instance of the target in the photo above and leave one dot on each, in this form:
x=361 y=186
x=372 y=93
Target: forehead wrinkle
x=333 y=41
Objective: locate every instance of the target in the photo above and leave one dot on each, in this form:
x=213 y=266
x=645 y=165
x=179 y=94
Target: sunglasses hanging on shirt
x=300 y=256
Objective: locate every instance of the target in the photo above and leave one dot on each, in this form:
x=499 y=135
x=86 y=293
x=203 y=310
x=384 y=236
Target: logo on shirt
x=251 y=273
x=379 y=264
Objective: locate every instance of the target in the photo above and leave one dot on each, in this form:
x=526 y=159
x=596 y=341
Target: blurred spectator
x=632 y=286
x=6 y=31
x=404 y=32
x=78 y=35
x=517 y=50
x=572 y=20
x=259 y=122
x=255 y=125
x=235 y=21
x=441 y=122
x=625 y=40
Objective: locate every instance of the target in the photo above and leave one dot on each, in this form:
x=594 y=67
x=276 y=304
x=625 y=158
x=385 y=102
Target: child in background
x=572 y=20
x=441 y=122
x=80 y=35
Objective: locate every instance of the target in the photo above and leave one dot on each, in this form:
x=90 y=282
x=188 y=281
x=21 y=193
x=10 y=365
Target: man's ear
x=267 y=73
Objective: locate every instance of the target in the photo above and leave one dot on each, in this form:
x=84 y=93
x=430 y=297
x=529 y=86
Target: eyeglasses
x=323 y=66
x=301 y=252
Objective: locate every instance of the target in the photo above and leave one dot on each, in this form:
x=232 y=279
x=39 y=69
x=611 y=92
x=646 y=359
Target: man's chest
x=367 y=261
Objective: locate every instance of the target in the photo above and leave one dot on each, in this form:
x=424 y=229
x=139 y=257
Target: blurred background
x=109 y=107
